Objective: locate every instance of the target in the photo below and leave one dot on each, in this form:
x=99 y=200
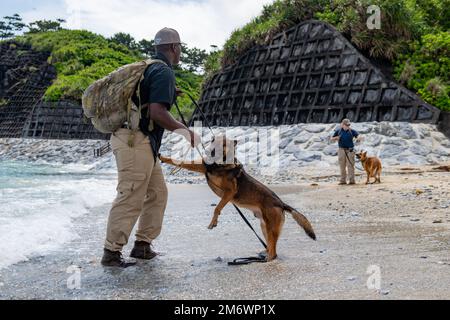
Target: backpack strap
x=148 y=63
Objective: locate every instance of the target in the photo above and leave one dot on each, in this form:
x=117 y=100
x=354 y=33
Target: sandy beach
x=401 y=227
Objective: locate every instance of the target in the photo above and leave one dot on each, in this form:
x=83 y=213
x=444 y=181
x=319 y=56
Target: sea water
x=39 y=202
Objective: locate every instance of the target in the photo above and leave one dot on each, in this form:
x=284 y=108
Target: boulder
x=315 y=128
x=441 y=151
x=302 y=138
x=390 y=150
x=307 y=156
x=420 y=148
x=331 y=150
x=411 y=159
x=289 y=131
x=317 y=146
x=363 y=128
x=393 y=141
x=406 y=131
x=423 y=131
x=292 y=148
x=284 y=143
x=372 y=140
x=386 y=129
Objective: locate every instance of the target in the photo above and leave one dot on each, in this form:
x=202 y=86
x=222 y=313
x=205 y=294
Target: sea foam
x=40 y=203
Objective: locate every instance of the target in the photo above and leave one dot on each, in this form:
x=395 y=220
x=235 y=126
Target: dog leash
x=250 y=226
x=197 y=107
x=244 y=261
x=238 y=261
x=352 y=162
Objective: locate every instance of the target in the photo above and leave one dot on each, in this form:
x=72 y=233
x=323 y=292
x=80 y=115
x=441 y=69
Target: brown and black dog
x=372 y=165
x=232 y=184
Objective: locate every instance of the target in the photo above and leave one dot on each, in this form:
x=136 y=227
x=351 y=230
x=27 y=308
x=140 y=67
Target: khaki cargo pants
x=141 y=192
x=346 y=165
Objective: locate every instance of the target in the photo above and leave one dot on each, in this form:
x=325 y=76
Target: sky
x=201 y=23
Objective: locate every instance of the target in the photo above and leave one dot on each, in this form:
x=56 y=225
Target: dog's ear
x=365 y=153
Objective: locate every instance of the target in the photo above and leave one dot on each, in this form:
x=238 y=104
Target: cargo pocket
x=130 y=182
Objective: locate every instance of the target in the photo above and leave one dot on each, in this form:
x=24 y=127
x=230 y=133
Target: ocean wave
x=40 y=203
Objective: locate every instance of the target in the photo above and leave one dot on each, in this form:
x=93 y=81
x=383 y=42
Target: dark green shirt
x=158 y=86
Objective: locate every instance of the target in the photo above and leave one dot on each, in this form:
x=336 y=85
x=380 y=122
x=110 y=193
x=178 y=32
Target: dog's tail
x=301 y=220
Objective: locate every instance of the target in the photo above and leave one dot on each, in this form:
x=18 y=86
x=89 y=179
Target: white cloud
x=43 y=11
x=201 y=23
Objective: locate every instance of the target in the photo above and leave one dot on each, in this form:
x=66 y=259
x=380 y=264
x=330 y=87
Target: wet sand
x=402 y=226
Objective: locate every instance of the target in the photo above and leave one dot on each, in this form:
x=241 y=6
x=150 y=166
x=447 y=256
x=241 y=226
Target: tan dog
x=372 y=165
x=232 y=184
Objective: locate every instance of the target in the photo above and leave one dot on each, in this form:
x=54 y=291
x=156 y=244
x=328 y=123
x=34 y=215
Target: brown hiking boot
x=352 y=183
x=115 y=259
x=142 y=250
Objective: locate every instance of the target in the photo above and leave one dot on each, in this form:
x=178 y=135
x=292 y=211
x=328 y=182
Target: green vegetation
x=426 y=69
x=193 y=59
x=82 y=57
x=191 y=83
x=413 y=37
x=45 y=25
x=402 y=21
x=10 y=25
x=3 y=102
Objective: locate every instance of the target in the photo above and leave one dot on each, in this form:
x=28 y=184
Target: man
x=141 y=190
x=345 y=135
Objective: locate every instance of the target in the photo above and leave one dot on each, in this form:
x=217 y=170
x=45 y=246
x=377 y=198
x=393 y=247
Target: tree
x=147 y=48
x=194 y=58
x=10 y=26
x=15 y=21
x=45 y=25
x=126 y=39
x=5 y=30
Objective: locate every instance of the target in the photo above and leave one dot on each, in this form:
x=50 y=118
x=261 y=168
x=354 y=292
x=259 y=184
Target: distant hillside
x=82 y=57
x=412 y=46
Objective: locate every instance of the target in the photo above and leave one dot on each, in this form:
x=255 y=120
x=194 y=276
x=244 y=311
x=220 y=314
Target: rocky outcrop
x=396 y=143
x=307 y=74
x=25 y=75
x=272 y=148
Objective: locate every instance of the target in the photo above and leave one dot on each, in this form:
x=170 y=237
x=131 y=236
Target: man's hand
x=179 y=92
x=162 y=117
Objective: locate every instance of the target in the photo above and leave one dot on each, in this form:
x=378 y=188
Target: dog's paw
x=212 y=225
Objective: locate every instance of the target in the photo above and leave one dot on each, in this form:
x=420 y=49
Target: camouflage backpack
x=108 y=101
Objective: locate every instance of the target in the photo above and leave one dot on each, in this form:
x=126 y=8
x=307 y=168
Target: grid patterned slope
x=308 y=74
